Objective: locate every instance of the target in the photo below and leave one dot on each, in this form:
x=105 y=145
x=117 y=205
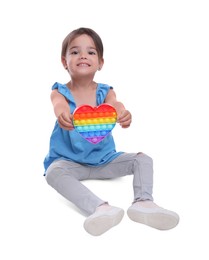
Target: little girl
x=72 y=159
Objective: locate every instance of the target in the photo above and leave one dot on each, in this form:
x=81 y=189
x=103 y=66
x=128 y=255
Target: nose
x=83 y=55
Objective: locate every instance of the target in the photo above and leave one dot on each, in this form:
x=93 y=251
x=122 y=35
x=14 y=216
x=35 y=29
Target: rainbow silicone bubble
x=94 y=123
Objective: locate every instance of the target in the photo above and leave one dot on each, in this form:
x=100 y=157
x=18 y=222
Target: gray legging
x=66 y=176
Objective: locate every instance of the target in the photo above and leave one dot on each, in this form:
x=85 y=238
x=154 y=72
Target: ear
x=101 y=63
x=64 y=63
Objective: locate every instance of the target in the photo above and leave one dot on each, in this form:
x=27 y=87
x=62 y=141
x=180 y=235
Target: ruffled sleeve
x=102 y=91
x=63 y=89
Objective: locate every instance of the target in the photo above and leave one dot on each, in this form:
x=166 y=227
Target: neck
x=81 y=83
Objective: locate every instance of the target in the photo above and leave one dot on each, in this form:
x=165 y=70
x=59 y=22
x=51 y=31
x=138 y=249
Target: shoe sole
x=99 y=225
x=156 y=220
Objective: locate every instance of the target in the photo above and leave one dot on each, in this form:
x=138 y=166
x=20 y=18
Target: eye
x=92 y=53
x=74 y=52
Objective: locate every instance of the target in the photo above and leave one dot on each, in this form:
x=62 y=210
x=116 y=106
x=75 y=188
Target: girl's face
x=81 y=57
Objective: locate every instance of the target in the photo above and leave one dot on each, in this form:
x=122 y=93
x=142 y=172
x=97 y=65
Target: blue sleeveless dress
x=69 y=145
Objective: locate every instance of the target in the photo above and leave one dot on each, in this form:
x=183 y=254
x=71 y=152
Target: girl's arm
x=124 y=116
x=61 y=110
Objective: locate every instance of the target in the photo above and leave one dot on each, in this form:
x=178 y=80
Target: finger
x=64 y=123
x=126 y=123
x=66 y=117
x=124 y=119
x=64 y=126
x=125 y=126
x=124 y=114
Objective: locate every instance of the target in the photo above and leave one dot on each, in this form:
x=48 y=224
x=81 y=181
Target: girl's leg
x=143 y=177
x=65 y=177
x=139 y=165
x=143 y=209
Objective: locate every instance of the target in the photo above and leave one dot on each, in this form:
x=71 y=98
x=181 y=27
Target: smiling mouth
x=83 y=65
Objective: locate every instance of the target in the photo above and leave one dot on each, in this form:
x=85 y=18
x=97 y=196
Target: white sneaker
x=148 y=213
x=104 y=218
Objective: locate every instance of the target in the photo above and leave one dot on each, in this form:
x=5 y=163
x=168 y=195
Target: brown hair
x=72 y=35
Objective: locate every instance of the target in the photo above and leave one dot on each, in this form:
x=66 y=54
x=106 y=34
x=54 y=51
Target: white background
x=157 y=59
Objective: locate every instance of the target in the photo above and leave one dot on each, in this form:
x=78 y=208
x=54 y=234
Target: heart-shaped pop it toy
x=94 y=123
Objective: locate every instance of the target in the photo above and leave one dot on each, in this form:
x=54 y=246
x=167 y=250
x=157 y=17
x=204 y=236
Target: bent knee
x=145 y=158
x=49 y=177
x=52 y=175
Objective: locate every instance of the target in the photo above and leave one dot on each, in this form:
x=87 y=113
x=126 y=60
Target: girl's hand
x=124 y=119
x=65 y=121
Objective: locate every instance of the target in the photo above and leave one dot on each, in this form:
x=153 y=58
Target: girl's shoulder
x=102 y=91
x=63 y=89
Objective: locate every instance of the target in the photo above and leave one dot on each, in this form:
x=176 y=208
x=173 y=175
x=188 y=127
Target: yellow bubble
x=89 y=121
x=76 y=122
x=112 y=120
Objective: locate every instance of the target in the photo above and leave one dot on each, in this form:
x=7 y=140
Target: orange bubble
x=76 y=116
x=82 y=115
x=94 y=114
x=88 y=115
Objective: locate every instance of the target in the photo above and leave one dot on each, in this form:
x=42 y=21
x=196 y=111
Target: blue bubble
x=97 y=133
x=85 y=135
x=103 y=133
x=91 y=134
